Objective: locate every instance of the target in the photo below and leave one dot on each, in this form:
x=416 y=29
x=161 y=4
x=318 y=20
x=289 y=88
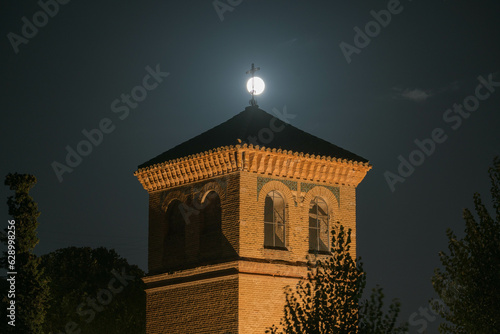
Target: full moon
x=258 y=85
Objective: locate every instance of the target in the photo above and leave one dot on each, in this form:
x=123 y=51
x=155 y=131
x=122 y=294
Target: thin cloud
x=415 y=95
x=420 y=95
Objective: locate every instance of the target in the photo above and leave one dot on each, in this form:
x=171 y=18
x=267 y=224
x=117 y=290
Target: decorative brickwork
x=224 y=160
x=261 y=181
x=305 y=187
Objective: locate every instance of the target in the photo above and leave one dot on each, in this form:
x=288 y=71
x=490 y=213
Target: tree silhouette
x=94 y=291
x=31 y=286
x=329 y=300
x=373 y=320
x=469 y=282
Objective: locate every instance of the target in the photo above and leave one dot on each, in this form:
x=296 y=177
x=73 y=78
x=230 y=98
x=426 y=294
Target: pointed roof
x=246 y=127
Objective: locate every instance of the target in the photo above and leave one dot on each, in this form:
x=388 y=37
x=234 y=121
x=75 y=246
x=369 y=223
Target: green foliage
x=31 y=285
x=82 y=284
x=469 y=283
x=328 y=301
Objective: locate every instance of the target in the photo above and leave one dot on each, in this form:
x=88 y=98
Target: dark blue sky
x=395 y=90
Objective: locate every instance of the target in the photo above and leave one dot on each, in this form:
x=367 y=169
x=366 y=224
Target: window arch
x=319 y=236
x=274 y=220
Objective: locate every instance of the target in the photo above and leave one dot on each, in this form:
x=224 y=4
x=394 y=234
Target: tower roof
x=246 y=127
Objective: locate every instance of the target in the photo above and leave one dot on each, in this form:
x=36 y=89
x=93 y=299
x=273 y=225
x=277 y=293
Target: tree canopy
x=20 y=237
x=95 y=291
x=468 y=284
x=329 y=300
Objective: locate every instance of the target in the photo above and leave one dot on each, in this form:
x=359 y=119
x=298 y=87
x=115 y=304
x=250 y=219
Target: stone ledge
x=228 y=270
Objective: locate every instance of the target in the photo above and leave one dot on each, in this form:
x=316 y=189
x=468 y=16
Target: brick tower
x=231 y=223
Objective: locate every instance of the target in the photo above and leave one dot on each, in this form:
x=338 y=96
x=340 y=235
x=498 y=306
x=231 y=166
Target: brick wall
x=201 y=307
x=261 y=301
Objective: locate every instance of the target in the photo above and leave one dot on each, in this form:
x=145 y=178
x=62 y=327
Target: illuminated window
x=274 y=220
x=319 y=235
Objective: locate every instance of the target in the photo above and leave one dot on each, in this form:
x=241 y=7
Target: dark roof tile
x=247 y=125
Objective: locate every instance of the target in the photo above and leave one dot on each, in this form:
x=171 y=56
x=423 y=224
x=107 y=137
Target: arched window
x=319 y=236
x=211 y=238
x=175 y=220
x=212 y=213
x=175 y=238
x=274 y=220
x=214 y=246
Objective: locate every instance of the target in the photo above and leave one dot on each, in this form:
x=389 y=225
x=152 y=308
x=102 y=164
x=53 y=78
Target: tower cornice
x=255 y=159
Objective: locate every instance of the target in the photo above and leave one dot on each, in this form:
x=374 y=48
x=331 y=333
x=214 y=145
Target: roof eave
x=257 y=159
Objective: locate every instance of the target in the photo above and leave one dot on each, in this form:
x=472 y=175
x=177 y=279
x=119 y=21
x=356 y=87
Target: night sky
x=374 y=95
